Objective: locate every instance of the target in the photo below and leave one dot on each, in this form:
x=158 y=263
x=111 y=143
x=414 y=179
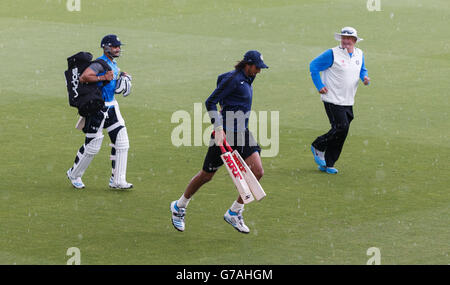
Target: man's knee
x=93 y=147
x=254 y=162
x=121 y=141
x=205 y=177
x=341 y=130
x=258 y=172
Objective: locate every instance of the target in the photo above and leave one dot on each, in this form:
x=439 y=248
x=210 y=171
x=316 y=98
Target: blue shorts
x=243 y=142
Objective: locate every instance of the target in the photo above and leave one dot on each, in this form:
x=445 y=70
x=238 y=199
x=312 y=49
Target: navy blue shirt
x=233 y=95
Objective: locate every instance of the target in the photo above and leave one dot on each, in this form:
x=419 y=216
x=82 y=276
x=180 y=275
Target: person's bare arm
x=89 y=76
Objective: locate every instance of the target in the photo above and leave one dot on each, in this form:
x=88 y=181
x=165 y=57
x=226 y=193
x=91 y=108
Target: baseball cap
x=110 y=40
x=256 y=58
x=347 y=31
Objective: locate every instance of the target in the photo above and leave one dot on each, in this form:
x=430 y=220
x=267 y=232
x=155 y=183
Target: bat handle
x=227 y=145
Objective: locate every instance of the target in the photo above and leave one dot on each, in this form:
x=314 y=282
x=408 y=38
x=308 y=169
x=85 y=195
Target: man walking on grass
x=341 y=68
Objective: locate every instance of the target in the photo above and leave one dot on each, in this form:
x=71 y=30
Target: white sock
x=236 y=207
x=183 y=202
x=321 y=154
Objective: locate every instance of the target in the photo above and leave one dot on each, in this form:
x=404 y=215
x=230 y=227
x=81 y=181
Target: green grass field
x=392 y=191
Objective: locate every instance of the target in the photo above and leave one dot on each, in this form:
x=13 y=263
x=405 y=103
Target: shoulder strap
x=103 y=63
x=105 y=66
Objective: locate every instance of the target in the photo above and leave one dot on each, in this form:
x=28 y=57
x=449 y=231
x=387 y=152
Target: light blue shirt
x=108 y=89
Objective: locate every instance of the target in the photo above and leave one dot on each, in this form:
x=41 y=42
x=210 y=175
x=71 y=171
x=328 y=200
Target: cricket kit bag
x=86 y=97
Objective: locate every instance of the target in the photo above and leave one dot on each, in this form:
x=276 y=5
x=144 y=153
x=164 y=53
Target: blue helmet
x=110 y=40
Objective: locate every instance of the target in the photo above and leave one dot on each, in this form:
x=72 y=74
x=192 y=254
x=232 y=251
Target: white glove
x=123 y=84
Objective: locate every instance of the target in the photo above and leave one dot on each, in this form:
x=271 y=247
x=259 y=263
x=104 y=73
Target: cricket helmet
x=109 y=41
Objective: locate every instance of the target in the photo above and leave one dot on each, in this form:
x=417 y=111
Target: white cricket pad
x=122 y=145
x=84 y=159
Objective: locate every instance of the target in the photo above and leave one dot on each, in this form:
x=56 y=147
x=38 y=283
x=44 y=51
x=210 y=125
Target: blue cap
x=256 y=58
x=110 y=40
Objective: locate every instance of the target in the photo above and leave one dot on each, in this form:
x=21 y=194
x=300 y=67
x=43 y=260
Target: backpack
x=86 y=97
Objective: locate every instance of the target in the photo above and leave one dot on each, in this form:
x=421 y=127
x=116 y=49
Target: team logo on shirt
x=357 y=62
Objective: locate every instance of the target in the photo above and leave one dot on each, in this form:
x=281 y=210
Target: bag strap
x=103 y=63
x=105 y=66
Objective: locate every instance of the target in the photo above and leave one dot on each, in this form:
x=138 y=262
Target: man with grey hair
x=341 y=68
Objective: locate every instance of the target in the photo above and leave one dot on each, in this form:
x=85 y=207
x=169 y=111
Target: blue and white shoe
x=177 y=216
x=236 y=220
x=332 y=170
x=123 y=185
x=318 y=157
x=329 y=170
x=76 y=182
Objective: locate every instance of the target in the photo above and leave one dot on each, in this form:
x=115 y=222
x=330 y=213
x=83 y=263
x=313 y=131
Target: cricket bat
x=80 y=124
x=252 y=182
x=236 y=176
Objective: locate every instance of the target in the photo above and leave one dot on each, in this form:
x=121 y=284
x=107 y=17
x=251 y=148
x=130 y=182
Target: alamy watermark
x=192 y=132
x=375 y=254
x=75 y=256
x=73 y=5
x=374 y=5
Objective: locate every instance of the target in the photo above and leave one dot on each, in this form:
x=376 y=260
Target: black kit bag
x=86 y=97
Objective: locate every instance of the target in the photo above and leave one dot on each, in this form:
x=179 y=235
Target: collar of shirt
x=350 y=54
x=248 y=79
x=108 y=60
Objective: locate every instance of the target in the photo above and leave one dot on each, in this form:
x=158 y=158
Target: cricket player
x=341 y=68
x=234 y=94
x=108 y=118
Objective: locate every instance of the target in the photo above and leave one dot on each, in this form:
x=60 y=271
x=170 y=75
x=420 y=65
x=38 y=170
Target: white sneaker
x=236 y=220
x=76 y=182
x=123 y=185
x=177 y=216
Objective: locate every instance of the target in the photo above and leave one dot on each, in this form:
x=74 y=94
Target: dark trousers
x=333 y=141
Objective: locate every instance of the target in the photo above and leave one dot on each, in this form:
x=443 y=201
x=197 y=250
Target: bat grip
x=227 y=145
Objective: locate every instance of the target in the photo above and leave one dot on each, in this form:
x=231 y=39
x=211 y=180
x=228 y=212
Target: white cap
x=347 y=31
